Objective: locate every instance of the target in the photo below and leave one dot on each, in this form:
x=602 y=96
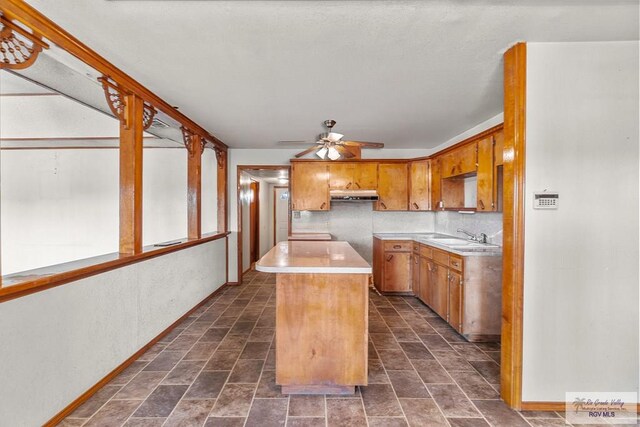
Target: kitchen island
x=321 y=316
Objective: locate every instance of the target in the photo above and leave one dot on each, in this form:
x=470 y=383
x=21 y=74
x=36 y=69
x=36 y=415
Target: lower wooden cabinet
x=465 y=291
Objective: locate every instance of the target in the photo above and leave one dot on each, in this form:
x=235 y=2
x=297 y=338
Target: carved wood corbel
x=190 y=141
x=117 y=100
x=18 y=47
x=220 y=156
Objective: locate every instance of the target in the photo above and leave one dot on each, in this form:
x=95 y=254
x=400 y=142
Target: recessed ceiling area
x=411 y=74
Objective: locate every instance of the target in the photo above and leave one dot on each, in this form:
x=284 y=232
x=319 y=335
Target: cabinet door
x=419 y=182
x=341 y=176
x=365 y=176
x=460 y=161
x=440 y=290
x=425 y=280
x=485 y=175
x=310 y=186
x=435 y=184
x=498 y=147
x=378 y=261
x=415 y=273
x=397 y=272
x=392 y=187
x=455 y=300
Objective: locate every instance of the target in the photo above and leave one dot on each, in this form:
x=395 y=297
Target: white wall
x=58 y=343
x=581 y=261
x=209 y=191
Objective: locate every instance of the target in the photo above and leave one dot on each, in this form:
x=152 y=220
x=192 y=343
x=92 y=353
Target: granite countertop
x=323 y=257
x=462 y=248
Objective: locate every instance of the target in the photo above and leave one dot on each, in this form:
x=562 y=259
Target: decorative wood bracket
x=189 y=141
x=116 y=99
x=18 y=47
x=220 y=156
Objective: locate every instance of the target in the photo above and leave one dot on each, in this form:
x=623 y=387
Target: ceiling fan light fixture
x=333 y=153
x=322 y=152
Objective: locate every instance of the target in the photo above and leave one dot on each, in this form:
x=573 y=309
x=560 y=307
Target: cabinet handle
x=397 y=246
x=429 y=266
x=389 y=258
x=323 y=205
x=348 y=185
x=383 y=205
x=455 y=264
x=415 y=205
x=358 y=185
x=481 y=203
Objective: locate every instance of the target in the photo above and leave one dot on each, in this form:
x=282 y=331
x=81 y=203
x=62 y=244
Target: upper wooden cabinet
x=460 y=161
x=353 y=176
x=310 y=186
x=392 y=187
x=419 y=185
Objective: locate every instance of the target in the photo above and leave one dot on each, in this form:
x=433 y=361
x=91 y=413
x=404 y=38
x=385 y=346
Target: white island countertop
x=322 y=257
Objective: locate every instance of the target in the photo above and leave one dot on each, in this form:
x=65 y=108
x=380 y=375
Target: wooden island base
x=321 y=332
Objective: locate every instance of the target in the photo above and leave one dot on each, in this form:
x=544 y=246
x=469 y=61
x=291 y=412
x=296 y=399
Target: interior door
x=254 y=222
x=281 y=214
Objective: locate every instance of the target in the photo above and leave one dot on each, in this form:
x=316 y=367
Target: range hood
x=353 y=195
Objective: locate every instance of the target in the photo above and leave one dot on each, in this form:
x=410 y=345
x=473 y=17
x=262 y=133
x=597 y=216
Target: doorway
x=258 y=207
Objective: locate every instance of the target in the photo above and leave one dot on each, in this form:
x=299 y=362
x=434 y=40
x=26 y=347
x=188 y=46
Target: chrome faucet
x=480 y=237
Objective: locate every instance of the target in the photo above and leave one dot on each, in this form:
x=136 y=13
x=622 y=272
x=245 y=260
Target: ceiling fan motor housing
x=330 y=123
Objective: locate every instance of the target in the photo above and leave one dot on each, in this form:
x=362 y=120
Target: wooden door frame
x=515 y=70
x=274 y=211
x=239 y=170
x=255 y=228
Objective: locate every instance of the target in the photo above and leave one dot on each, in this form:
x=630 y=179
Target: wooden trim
x=111 y=375
x=194 y=189
x=239 y=170
x=254 y=223
x=515 y=64
x=114 y=261
x=20 y=11
x=542 y=406
x=131 y=176
x=223 y=192
x=233 y=283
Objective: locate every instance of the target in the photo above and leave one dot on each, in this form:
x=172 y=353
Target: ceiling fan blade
x=309 y=150
x=346 y=153
x=364 y=144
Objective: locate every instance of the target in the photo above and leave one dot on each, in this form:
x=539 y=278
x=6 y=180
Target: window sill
x=27 y=282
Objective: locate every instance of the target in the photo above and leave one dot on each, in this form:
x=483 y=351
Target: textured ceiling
x=408 y=73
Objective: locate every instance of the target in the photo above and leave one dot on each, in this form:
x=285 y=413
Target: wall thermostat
x=545 y=200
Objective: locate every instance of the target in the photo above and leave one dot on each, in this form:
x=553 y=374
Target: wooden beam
x=131 y=177
x=515 y=64
x=194 y=188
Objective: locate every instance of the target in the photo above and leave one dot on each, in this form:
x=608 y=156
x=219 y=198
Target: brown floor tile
x=498 y=414
x=345 y=413
x=234 y=401
x=306 y=406
x=183 y=342
x=184 y=372
x=387 y=422
x=489 y=370
x=267 y=413
x=377 y=374
x=495 y=355
x=431 y=372
x=225 y=321
x=255 y=350
x=171 y=335
x=224 y=422
x=467 y=422
x=416 y=350
x=267 y=386
x=128 y=374
x=452 y=401
x=384 y=341
x=305 y=422
x=395 y=322
x=214 y=334
x=113 y=413
x=144 y=422
x=452 y=361
x=190 y=413
x=548 y=422
x=141 y=385
x=165 y=361
x=233 y=342
x=378 y=327
x=422 y=413
x=404 y=335
x=407 y=384
x=95 y=402
x=539 y=414
x=207 y=385
x=222 y=360
x=73 y=422
x=161 y=402
x=470 y=352
x=394 y=359
x=271 y=360
x=151 y=354
x=380 y=401
x=434 y=342
x=246 y=371
x=242 y=328
x=262 y=335
x=199 y=326
x=474 y=385
x=201 y=351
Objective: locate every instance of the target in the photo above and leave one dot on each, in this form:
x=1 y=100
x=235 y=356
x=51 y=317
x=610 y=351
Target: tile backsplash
x=488 y=223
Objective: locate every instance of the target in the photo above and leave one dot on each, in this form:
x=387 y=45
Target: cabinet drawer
x=398 y=246
x=455 y=262
x=440 y=257
x=426 y=251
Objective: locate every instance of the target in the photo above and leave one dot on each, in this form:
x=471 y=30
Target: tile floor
x=217 y=369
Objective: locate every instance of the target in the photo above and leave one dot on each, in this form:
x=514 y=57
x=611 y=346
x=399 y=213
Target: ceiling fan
x=330 y=145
